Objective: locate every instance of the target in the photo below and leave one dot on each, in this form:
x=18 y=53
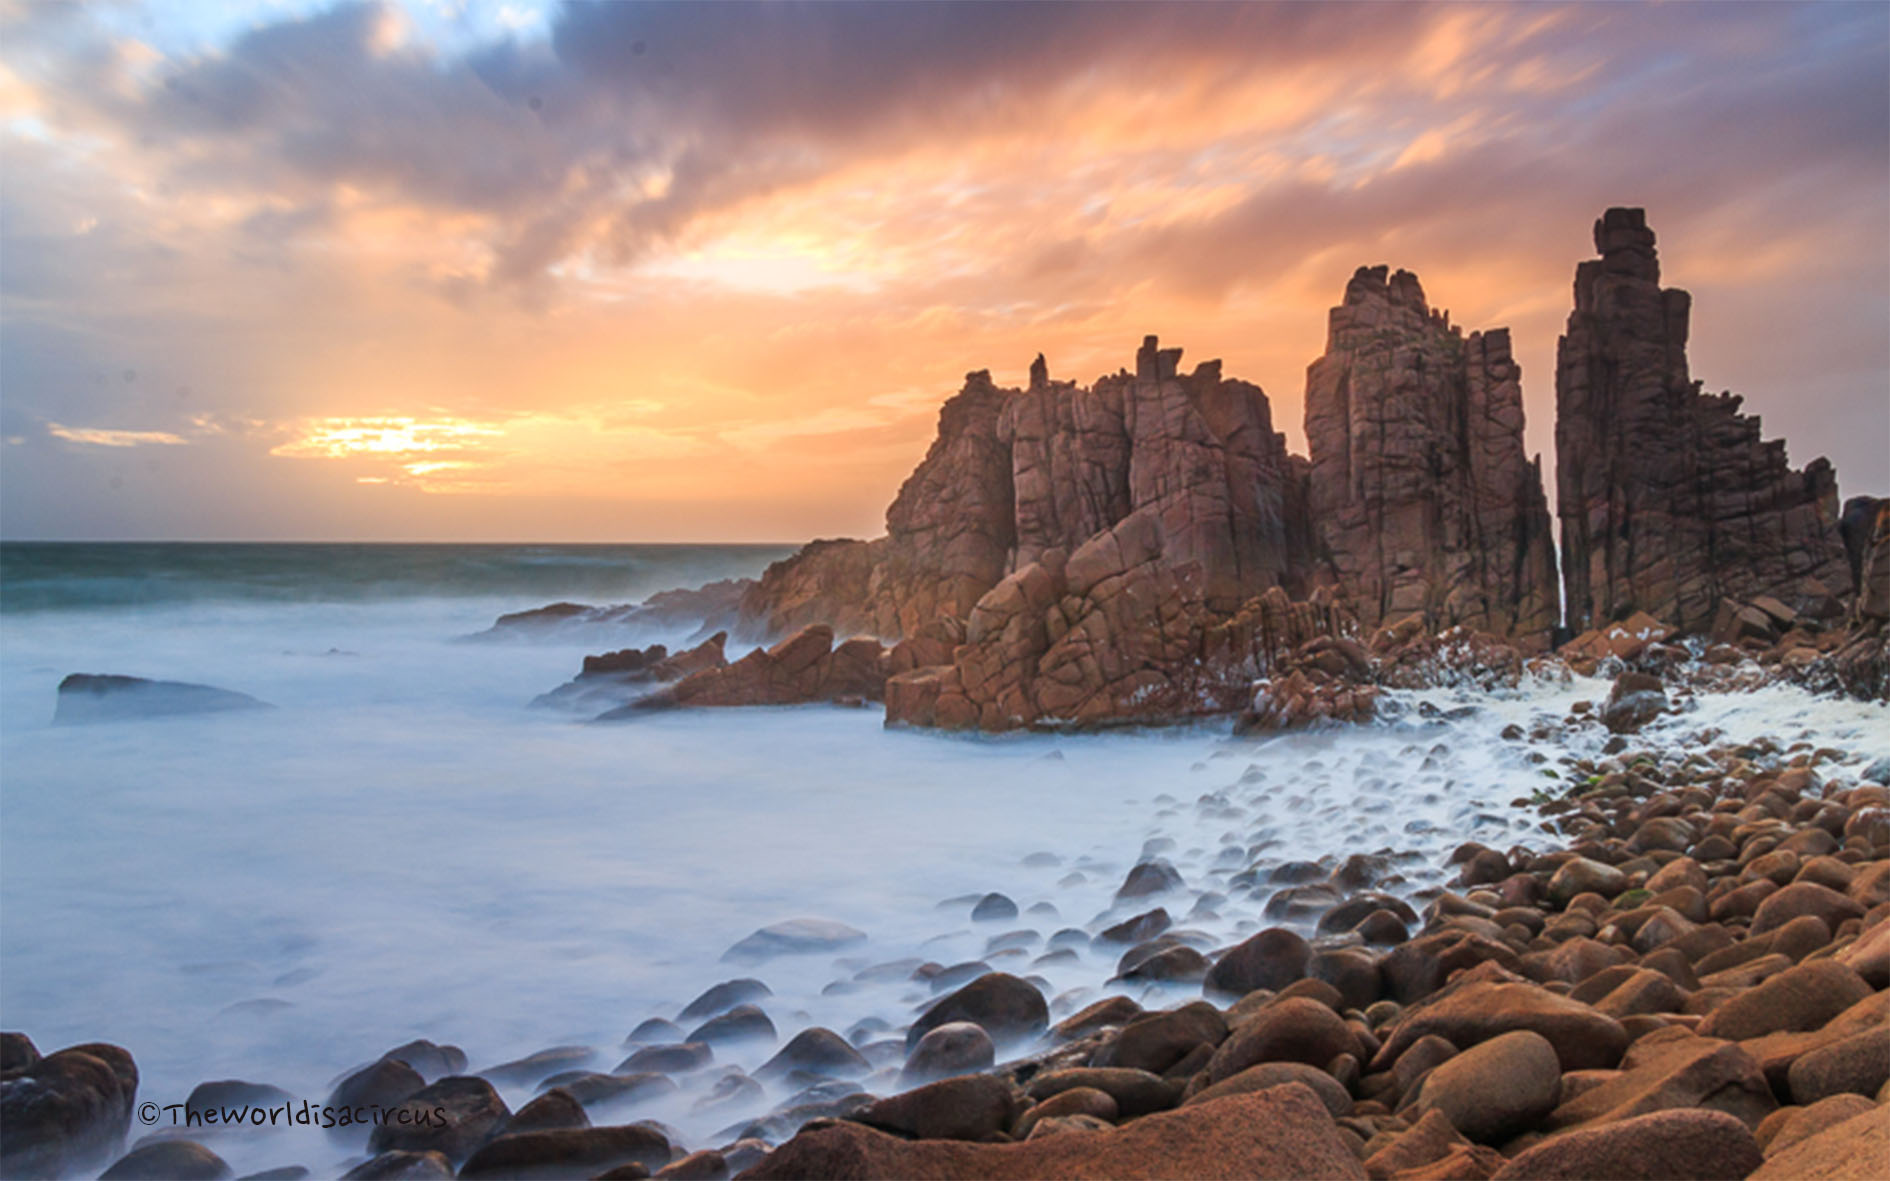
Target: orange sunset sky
x=628 y=272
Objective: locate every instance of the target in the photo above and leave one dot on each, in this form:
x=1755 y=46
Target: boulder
x=1853 y=1150
x=67 y=1112
x=1006 y=1007
x=969 y=1107
x=451 y=1117
x=1283 y=1132
x=795 y=937
x=569 y=1152
x=1294 y=1029
x=1664 y=1146
x=1472 y=1010
x=168 y=1160
x=1496 y=1088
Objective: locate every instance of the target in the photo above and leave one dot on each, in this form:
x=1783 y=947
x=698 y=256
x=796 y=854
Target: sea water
x=404 y=848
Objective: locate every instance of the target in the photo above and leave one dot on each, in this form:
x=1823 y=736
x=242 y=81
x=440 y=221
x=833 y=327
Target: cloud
x=102 y=437
x=664 y=253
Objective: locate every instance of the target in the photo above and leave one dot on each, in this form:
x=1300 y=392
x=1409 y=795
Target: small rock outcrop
x=87 y=697
x=1422 y=500
x=805 y=667
x=1669 y=498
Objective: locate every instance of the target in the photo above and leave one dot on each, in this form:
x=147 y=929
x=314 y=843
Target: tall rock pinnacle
x=1423 y=501
x=1669 y=498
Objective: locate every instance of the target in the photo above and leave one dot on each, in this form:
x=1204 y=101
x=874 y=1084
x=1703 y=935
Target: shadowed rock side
x=1422 y=500
x=1669 y=498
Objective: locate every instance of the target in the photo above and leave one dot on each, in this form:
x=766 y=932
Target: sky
x=634 y=272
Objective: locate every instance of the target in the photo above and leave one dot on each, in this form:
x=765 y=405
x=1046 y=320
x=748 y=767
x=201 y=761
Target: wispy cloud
x=103 y=437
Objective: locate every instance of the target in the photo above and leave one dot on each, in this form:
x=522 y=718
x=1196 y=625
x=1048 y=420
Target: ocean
x=404 y=848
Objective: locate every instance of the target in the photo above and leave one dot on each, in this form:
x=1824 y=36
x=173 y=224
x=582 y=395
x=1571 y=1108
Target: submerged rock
x=86 y=697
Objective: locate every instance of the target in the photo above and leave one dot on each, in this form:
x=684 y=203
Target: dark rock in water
x=706 y=608
x=473 y=1112
x=957 y=1047
x=569 y=1152
x=677 y=1059
x=595 y=1090
x=993 y=907
x=1007 y=1007
x=434 y=1062
x=168 y=1160
x=523 y=1072
x=617 y=680
x=1134 y=930
x=66 y=1113
x=549 y=1112
x=17 y=1052
x=385 y=1083
x=654 y=1031
x=1155 y=876
x=401 y=1165
x=795 y=937
x=740 y=1024
x=1272 y=959
x=85 y=697
x=282 y=1173
x=1635 y=700
x=943 y=978
x=235 y=1093
x=723 y=997
x=816 y=1051
x=971 y=1107
x=1173 y=965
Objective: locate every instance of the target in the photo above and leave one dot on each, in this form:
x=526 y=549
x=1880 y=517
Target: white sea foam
x=402 y=849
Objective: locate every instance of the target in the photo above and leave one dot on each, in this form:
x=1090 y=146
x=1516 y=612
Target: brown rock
x=1473 y=1009
x=1154 y=1042
x=1007 y=1007
x=969 y=1107
x=1279 y=1133
x=67 y=1112
x=1669 y=499
x=1422 y=497
x=1802 y=1123
x=1669 y=1069
x=168 y=1160
x=1694 y=1145
x=1275 y=1074
x=1273 y=959
x=472 y=1112
x=1800 y=998
x=1430 y=1138
x=1075 y=1101
x=1804 y=898
x=1850 y=1151
x=1136 y=1092
x=569 y=1152
x=1859 y=1063
x=1292 y=1030
x=1496 y=1088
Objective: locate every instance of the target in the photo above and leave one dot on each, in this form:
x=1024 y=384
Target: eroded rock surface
x=1670 y=499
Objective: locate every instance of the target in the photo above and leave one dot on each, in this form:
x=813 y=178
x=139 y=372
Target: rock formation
x=1422 y=500
x=1669 y=498
x=1186 y=468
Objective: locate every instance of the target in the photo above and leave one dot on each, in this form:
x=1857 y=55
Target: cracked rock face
x=1151 y=470
x=1670 y=499
x=1422 y=500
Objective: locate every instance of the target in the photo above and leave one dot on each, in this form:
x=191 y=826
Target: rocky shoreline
x=1695 y=983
